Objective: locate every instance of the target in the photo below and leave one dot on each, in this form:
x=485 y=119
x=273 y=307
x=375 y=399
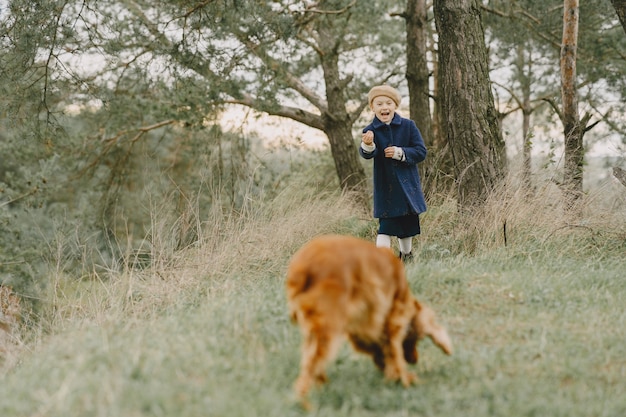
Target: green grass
x=538 y=329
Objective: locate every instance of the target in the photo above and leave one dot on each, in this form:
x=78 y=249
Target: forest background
x=160 y=163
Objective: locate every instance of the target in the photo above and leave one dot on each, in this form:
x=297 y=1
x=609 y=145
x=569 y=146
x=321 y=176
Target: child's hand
x=368 y=137
x=394 y=152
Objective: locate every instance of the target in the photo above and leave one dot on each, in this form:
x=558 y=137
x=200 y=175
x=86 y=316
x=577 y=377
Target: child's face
x=384 y=108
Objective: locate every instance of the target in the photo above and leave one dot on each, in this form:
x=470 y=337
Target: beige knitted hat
x=384 y=90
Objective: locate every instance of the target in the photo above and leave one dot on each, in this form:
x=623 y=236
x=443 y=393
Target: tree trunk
x=524 y=68
x=620 y=9
x=470 y=119
x=417 y=73
x=337 y=125
x=347 y=163
x=418 y=77
x=440 y=156
x=345 y=155
x=573 y=131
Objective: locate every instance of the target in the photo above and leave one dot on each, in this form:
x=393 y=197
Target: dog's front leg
x=395 y=364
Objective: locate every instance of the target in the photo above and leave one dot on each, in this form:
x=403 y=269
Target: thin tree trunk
x=418 y=79
x=440 y=156
x=524 y=76
x=573 y=132
x=417 y=73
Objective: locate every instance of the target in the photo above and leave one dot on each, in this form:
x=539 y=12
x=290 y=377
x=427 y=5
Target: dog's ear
x=426 y=325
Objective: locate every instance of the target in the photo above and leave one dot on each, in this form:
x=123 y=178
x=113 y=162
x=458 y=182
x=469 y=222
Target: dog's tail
x=298 y=282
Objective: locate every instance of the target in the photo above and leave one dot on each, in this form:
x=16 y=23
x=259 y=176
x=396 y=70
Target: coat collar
x=395 y=121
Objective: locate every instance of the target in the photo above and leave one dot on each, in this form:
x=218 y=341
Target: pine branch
x=310 y=119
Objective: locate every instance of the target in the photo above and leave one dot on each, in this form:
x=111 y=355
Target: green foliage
x=100 y=193
x=83 y=85
x=524 y=39
x=86 y=166
x=28 y=179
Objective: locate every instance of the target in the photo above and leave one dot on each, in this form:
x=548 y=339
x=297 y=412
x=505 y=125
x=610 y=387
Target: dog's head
x=424 y=324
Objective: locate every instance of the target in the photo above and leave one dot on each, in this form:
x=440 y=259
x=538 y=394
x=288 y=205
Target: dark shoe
x=406 y=257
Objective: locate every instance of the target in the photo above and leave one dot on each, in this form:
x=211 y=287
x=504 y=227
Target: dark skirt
x=401 y=227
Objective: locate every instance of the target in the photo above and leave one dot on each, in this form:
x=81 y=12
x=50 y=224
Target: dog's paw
x=305 y=404
x=303 y=385
x=405 y=377
x=321 y=378
x=392 y=373
x=409 y=378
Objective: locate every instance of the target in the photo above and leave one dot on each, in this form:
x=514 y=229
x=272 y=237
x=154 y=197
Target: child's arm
x=367 y=142
x=416 y=151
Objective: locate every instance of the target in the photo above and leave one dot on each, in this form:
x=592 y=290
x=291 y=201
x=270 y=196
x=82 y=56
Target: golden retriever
x=341 y=286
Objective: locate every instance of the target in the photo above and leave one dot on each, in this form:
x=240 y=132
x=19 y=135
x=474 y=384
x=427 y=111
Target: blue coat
x=397 y=184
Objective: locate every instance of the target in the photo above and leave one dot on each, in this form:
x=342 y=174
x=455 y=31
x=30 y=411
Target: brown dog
x=344 y=286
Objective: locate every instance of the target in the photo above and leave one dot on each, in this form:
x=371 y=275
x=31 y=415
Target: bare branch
x=50 y=57
x=357 y=113
x=196 y=8
x=146 y=129
x=585 y=120
x=510 y=15
x=310 y=119
x=31 y=192
x=606 y=119
x=312 y=9
x=554 y=106
x=494 y=11
x=301 y=37
x=140 y=131
x=511 y=93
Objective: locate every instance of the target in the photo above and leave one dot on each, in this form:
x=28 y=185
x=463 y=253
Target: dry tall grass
x=257 y=237
x=521 y=220
x=262 y=235
x=199 y=322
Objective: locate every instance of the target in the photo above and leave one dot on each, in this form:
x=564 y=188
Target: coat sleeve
x=415 y=152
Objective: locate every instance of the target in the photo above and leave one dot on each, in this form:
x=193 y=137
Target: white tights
x=384 y=241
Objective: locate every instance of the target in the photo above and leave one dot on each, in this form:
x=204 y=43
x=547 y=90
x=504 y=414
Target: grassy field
x=538 y=325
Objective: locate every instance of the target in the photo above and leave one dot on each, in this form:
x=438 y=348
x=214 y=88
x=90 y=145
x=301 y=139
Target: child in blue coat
x=396 y=145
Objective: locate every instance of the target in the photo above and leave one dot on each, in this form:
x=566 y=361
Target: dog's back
x=343 y=281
